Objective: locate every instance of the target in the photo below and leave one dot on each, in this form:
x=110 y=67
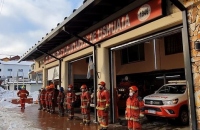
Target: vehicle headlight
x=170 y=102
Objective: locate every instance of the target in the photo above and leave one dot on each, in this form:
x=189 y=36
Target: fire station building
x=142 y=42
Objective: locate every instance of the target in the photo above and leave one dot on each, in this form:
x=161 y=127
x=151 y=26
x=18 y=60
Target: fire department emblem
x=144 y=12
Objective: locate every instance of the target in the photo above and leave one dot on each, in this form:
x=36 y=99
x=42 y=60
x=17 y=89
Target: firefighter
x=46 y=99
x=55 y=96
x=42 y=98
x=85 y=105
x=70 y=98
x=60 y=101
x=103 y=103
x=51 y=98
x=132 y=113
x=39 y=100
x=23 y=93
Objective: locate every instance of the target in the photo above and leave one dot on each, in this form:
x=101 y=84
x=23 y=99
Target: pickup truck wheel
x=150 y=118
x=183 y=117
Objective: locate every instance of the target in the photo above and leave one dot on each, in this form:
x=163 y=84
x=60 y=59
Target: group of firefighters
x=50 y=97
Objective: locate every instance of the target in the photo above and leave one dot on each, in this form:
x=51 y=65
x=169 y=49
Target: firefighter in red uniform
x=42 y=98
x=46 y=99
x=103 y=103
x=51 y=98
x=132 y=113
x=70 y=98
x=23 y=93
x=60 y=101
x=85 y=105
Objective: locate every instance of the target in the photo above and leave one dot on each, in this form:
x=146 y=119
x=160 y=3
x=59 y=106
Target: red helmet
x=70 y=86
x=83 y=86
x=102 y=83
x=133 y=88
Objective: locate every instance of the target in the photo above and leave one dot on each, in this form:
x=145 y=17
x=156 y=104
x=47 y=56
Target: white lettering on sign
x=111 y=28
x=144 y=12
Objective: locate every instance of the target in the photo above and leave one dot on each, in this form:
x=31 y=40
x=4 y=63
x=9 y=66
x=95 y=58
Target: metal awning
x=87 y=15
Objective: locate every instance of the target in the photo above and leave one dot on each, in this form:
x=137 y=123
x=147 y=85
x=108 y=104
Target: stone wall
x=193 y=7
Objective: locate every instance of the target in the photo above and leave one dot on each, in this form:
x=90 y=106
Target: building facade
x=13 y=69
x=143 y=42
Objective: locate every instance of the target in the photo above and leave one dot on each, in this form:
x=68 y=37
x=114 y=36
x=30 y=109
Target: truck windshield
x=172 y=89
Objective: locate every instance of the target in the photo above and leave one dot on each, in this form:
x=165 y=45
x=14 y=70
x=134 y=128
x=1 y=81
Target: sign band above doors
x=140 y=15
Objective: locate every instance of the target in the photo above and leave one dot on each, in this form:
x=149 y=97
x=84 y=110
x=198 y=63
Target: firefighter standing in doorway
x=132 y=113
x=85 y=105
x=23 y=93
x=46 y=99
x=70 y=98
x=42 y=98
x=60 y=101
x=51 y=98
x=103 y=103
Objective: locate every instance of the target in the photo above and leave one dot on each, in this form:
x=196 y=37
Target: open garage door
x=148 y=63
x=81 y=72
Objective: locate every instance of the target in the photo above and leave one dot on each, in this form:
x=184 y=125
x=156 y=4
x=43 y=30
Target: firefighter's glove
x=141 y=115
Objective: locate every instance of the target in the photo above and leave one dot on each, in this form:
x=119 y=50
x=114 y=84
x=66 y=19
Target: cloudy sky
x=24 y=22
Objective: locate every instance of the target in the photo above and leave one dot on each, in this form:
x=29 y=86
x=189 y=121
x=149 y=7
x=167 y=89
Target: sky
x=24 y=22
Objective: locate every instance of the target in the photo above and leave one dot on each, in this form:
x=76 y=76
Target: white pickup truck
x=169 y=101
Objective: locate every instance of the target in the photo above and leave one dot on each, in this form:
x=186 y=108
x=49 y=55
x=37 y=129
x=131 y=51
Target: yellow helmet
x=22 y=87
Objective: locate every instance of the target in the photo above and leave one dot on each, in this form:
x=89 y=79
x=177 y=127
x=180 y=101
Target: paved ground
x=46 y=121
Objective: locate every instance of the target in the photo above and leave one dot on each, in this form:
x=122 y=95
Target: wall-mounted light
x=197 y=45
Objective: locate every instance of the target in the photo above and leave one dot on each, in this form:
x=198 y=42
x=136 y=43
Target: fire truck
x=169 y=101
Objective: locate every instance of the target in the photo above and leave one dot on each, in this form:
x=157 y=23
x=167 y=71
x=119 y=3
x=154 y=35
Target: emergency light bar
x=177 y=81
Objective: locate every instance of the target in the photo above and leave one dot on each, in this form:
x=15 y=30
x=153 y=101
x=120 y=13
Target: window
x=0 y=69
x=133 y=54
x=173 y=44
x=20 y=70
x=173 y=89
x=9 y=69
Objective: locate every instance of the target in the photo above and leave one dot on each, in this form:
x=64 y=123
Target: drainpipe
x=94 y=69
x=60 y=62
x=187 y=61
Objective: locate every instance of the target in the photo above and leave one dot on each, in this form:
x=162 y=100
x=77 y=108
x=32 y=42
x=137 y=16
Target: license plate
x=152 y=111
